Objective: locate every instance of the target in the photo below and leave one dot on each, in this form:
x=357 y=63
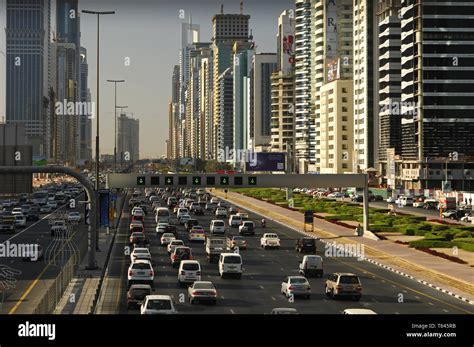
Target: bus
x=40 y=198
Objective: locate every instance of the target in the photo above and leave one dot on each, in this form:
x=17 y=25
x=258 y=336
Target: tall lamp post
x=2 y=110
x=121 y=137
x=115 y=120
x=97 y=154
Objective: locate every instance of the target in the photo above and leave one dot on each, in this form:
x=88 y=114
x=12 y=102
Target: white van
x=162 y=215
x=189 y=272
x=406 y=200
x=230 y=264
x=311 y=265
x=235 y=220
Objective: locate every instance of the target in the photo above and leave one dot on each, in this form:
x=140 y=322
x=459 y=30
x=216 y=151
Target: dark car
x=137 y=294
x=305 y=245
x=172 y=229
x=138 y=238
x=197 y=210
x=190 y=223
x=358 y=198
x=247 y=228
x=454 y=214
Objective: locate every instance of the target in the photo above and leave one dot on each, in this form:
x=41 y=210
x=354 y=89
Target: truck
x=214 y=247
x=7 y=224
x=447 y=203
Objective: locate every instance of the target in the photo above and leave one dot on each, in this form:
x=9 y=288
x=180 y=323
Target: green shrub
x=467 y=246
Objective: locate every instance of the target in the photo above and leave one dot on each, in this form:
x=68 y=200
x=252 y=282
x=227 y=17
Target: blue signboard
x=266 y=161
x=104 y=202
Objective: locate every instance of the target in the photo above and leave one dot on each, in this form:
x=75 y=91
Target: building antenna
x=241 y=6
x=222 y=8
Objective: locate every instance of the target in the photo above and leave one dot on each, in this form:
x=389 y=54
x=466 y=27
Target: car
x=217 y=227
x=190 y=223
x=358 y=311
x=210 y=206
x=17 y=210
x=221 y=212
x=235 y=220
x=247 y=228
x=305 y=245
x=162 y=214
x=454 y=214
x=189 y=271
x=140 y=272
x=20 y=220
x=311 y=266
x=158 y=304
x=74 y=217
x=52 y=204
x=270 y=240
x=173 y=244
x=166 y=238
x=140 y=253
x=46 y=209
x=230 y=264
x=36 y=254
x=184 y=218
x=202 y=291
x=467 y=218
x=138 y=238
x=293 y=286
x=136 y=227
x=214 y=200
x=137 y=293
x=161 y=228
x=181 y=211
x=343 y=284
x=180 y=253
x=237 y=242
x=197 y=210
x=197 y=234
x=284 y=310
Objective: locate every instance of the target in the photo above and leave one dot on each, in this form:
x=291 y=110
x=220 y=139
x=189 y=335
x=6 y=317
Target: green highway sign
x=224 y=180
x=140 y=180
x=197 y=180
x=169 y=180
x=252 y=181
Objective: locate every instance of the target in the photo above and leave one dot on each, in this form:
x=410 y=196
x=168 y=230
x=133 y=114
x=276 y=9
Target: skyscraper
x=437 y=94
x=85 y=132
x=128 y=139
x=224 y=134
x=27 y=64
x=227 y=30
x=304 y=124
x=365 y=85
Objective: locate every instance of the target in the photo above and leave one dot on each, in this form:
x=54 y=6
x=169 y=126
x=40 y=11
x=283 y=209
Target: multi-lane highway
x=258 y=291
x=34 y=278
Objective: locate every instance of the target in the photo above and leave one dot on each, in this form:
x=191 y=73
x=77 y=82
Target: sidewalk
x=83 y=289
x=453 y=277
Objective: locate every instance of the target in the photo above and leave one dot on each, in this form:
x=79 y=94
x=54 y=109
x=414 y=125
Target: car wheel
x=326 y=289
x=191 y=301
x=308 y=296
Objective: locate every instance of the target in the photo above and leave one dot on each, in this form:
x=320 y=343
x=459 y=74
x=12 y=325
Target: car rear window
x=298 y=281
x=203 y=286
x=232 y=260
x=349 y=280
x=159 y=305
x=219 y=224
x=141 y=266
x=191 y=267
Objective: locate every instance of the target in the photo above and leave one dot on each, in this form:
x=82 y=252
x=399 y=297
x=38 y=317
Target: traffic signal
x=210 y=181
x=155 y=181
x=238 y=181
x=224 y=180
x=252 y=181
x=169 y=180
x=197 y=180
x=140 y=180
x=182 y=180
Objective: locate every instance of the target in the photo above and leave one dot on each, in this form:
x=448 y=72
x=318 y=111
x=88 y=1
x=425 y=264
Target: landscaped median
x=376 y=253
x=435 y=235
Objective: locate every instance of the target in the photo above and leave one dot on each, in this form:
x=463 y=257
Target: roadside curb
x=457 y=296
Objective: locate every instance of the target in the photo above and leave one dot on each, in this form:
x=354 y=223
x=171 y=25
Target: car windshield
x=232 y=260
x=298 y=281
x=159 y=305
x=191 y=267
x=271 y=236
x=203 y=286
x=349 y=280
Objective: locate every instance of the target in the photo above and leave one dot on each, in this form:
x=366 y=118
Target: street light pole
x=97 y=153
x=115 y=119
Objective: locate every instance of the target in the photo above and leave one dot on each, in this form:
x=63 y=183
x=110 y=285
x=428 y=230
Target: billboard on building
x=267 y=161
x=333 y=69
x=288 y=50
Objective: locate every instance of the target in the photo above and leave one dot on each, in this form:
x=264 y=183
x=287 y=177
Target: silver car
x=293 y=286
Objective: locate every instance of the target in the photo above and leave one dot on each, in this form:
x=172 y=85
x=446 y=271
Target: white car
x=74 y=217
x=158 y=304
x=217 y=226
x=182 y=211
x=221 y=212
x=161 y=227
x=189 y=271
x=293 y=286
x=358 y=311
x=202 y=291
x=166 y=238
x=140 y=253
x=20 y=220
x=53 y=204
x=138 y=212
x=197 y=235
x=17 y=210
x=270 y=240
x=391 y=200
x=235 y=220
x=230 y=264
x=140 y=272
x=184 y=218
x=173 y=244
x=214 y=200
x=46 y=209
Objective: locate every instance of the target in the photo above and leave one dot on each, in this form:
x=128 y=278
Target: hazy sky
x=149 y=33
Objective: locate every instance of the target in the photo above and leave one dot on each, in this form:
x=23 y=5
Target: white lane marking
x=232 y=311
x=273 y=298
x=222 y=296
x=261 y=287
x=444 y=310
x=397 y=312
x=394 y=286
x=374 y=300
x=282 y=269
x=417 y=297
x=431 y=304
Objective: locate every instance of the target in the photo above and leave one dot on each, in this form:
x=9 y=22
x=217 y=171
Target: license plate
x=141 y=273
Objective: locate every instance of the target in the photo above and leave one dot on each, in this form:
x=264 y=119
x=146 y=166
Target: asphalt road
x=258 y=292
x=32 y=281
